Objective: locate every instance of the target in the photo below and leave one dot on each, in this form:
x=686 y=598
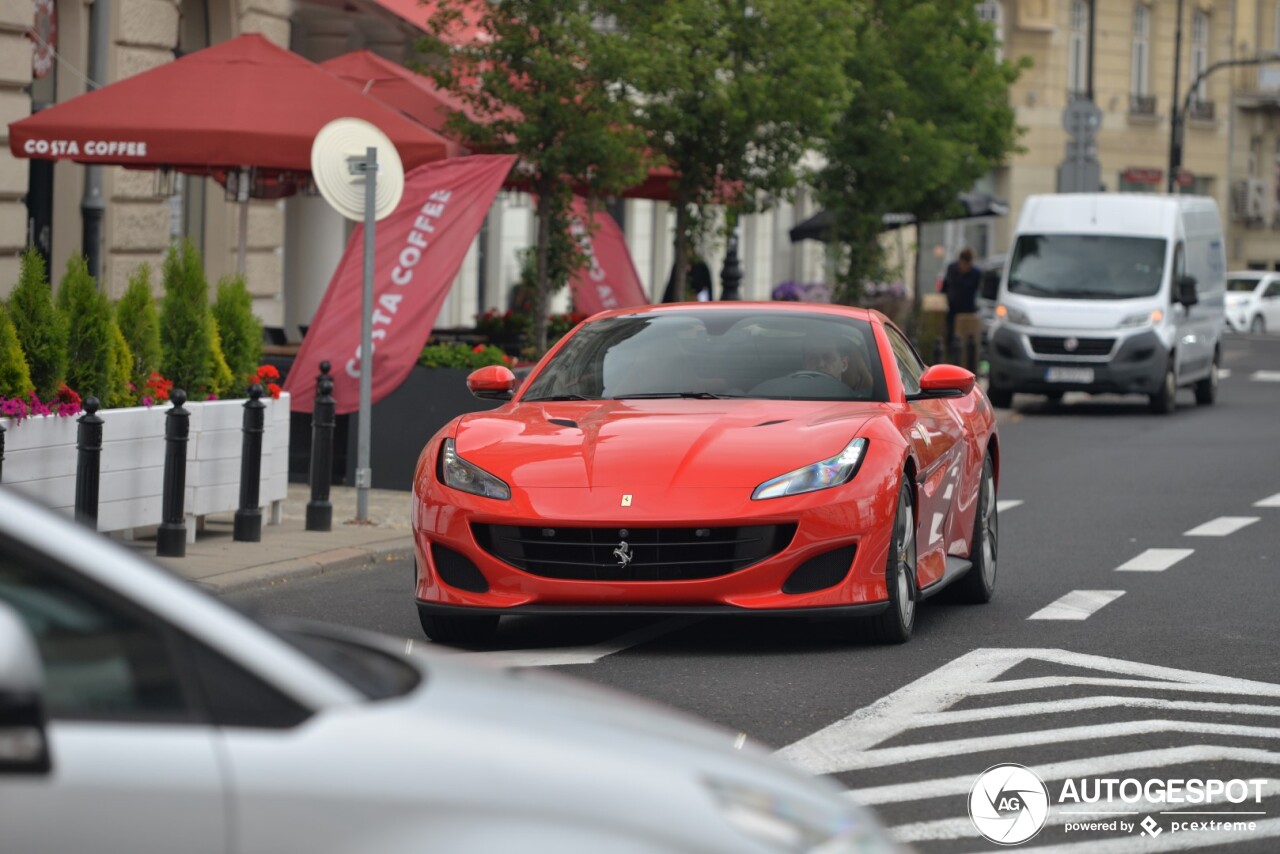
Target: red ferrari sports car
x=788 y=458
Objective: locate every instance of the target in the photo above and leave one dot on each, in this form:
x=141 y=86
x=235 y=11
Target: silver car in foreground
x=140 y=714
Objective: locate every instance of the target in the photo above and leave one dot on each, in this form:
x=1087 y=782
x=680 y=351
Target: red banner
x=420 y=247
x=610 y=279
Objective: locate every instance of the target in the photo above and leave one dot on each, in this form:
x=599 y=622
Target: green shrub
x=140 y=324
x=455 y=355
x=39 y=326
x=88 y=317
x=120 y=388
x=239 y=328
x=222 y=383
x=15 y=378
x=186 y=331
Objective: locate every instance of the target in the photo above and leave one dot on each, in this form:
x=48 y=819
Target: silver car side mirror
x=24 y=743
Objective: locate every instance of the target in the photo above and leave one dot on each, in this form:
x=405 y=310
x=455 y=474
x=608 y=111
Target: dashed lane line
x=1273 y=501
x=1224 y=373
x=1077 y=605
x=1154 y=560
x=1266 y=376
x=1221 y=527
x=1009 y=504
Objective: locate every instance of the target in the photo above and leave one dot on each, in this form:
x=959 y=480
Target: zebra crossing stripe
x=1007 y=504
x=1154 y=560
x=1273 y=501
x=1077 y=605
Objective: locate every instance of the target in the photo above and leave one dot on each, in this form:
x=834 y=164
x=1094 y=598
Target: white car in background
x=1253 y=301
x=140 y=714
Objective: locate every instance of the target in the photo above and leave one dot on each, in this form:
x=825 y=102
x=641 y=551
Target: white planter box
x=40 y=461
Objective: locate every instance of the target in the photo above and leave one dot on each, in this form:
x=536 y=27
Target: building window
x=992 y=12
x=1199 y=56
x=1140 y=100
x=1077 y=46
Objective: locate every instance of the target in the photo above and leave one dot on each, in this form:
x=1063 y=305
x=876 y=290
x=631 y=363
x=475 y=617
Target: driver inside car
x=825 y=355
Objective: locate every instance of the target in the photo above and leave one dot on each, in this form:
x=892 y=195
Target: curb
x=296 y=569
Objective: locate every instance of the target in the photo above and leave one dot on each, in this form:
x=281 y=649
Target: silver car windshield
x=1242 y=285
x=712 y=354
x=1077 y=266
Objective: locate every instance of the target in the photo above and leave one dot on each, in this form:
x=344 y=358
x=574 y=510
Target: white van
x=1111 y=293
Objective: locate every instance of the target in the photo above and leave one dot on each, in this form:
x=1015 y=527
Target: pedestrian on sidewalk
x=961 y=284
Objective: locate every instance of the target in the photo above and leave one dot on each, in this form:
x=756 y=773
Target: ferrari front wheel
x=979 y=583
x=894 y=624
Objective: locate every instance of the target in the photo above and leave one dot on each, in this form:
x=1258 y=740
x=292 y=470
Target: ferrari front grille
x=632 y=554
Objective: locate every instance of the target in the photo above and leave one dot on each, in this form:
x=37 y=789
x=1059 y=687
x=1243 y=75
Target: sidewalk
x=288 y=550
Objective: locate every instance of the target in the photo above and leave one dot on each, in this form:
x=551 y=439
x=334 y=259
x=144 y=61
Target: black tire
x=452 y=629
x=979 y=583
x=895 y=623
x=1001 y=398
x=1165 y=401
x=1207 y=388
x=1258 y=326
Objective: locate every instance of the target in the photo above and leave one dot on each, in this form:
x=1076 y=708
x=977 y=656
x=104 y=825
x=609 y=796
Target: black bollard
x=88 y=461
x=171 y=538
x=971 y=353
x=319 y=508
x=1 y=453
x=937 y=350
x=248 y=521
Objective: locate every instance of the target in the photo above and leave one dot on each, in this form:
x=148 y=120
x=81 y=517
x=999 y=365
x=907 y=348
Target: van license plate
x=1068 y=375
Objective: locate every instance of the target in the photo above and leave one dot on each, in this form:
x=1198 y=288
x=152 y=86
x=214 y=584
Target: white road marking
x=1154 y=560
x=1221 y=527
x=850 y=744
x=1007 y=504
x=1100 y=766
x=1223 y=373
x=1266 y=376
x=577 y=654
x=1077 y=605
x=1273 y=501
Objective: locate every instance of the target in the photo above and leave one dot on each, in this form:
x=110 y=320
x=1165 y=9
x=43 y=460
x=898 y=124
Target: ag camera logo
x=1008 y=804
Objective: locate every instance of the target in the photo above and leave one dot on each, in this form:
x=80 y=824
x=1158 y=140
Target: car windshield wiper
x=559 y=397
x=1023 y=286
x=692 y=395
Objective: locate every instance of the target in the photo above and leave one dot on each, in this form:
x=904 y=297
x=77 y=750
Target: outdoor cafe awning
x=973 y=206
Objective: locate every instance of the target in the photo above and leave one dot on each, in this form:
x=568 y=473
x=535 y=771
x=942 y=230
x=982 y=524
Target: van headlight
x=823 y=474
x=1143 y=318
x=458 y=473
x=1009 y=314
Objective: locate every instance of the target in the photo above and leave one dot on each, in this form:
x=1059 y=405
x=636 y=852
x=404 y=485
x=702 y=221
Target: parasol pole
x=242 y=196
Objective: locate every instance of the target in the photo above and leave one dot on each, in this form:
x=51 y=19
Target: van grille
x=1047 y=346
x=655 y=554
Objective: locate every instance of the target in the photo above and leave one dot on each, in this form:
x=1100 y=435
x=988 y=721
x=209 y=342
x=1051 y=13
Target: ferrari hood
x=670 y=443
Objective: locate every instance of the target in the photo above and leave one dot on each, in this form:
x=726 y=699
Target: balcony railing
x=1142 y=105
x=1201 y=111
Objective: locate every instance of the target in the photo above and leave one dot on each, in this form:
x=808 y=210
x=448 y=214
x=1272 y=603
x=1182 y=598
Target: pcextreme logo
x=1008 y=804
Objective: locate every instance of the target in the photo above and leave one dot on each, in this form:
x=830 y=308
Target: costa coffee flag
x=420 y=247
x=609 y=280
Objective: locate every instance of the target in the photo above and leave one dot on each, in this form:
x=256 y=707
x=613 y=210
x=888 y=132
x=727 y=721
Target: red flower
x=274 y=389
x=479 y=348
x=268 y=372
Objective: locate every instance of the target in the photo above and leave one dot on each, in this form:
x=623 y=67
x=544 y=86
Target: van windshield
x=1078 y=266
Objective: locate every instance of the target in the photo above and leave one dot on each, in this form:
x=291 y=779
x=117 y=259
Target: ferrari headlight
x=460 y=474
x=823 y=474
x=1009 y=314
x=793 y=825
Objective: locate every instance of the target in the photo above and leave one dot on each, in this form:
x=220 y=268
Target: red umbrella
x=244 y=102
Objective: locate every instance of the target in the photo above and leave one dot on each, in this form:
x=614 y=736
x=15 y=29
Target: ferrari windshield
x=777 y=355
x=1086 y=266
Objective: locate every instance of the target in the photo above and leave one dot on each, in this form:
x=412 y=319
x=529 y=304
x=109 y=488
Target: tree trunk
x=680 y=265
x=545 y=203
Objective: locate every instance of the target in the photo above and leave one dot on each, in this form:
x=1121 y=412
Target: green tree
x=732 y=95
x=239 y=329
x=15 y=378
x=40 y=327
x=222 y=383
x=186 y=328
x=88 y=317
x=550 y=91
x=140 y=324
x=922 y=127
x=120 y=373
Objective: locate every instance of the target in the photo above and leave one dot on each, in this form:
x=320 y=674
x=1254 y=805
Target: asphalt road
x=1170 y=670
